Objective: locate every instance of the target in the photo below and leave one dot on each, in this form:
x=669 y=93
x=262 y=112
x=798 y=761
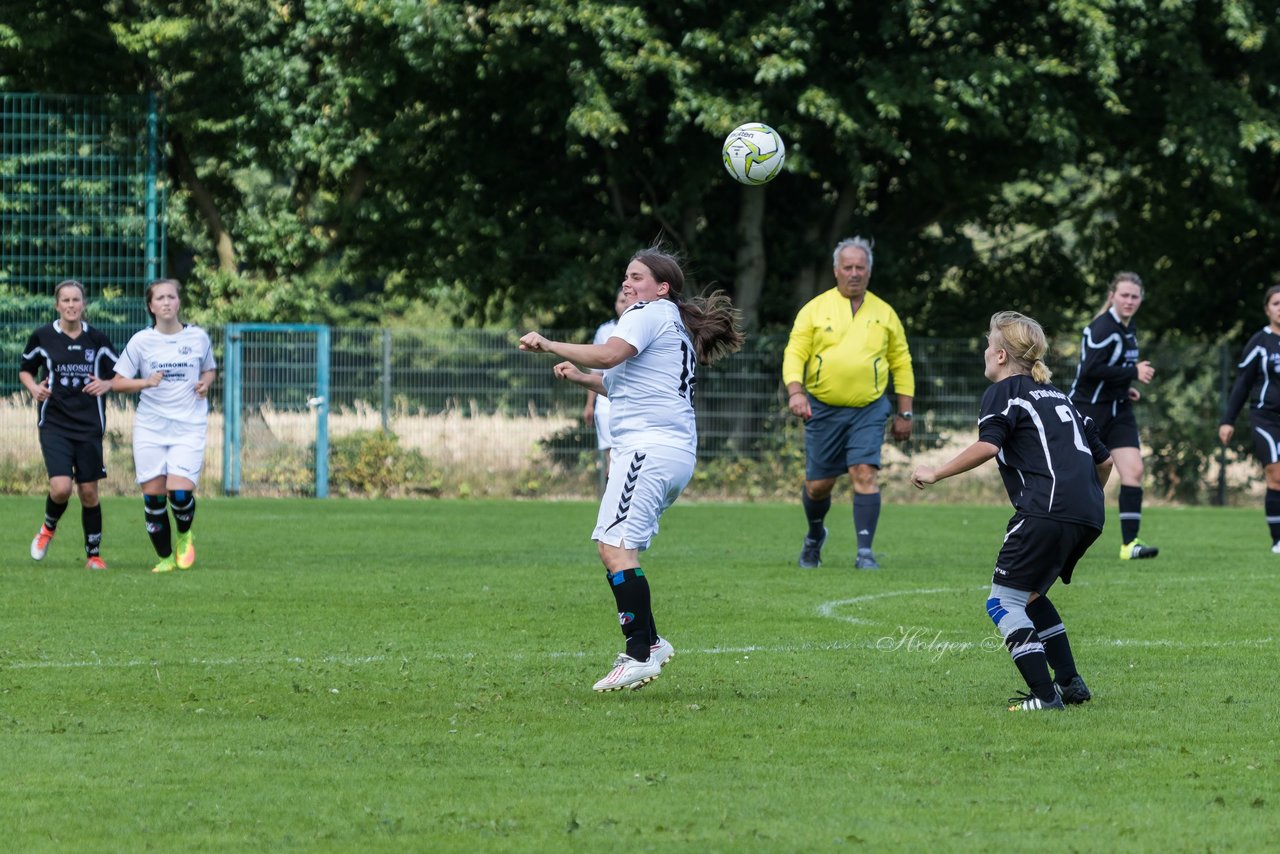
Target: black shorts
x=76 y=457
x=1039 y=551
x=1117 y=426
x=1266 y=435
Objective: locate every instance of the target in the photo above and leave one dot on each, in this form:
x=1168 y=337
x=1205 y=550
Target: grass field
x=415 y=676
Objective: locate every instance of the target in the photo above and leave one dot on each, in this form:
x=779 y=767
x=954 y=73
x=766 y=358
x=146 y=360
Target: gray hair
x=853 y=243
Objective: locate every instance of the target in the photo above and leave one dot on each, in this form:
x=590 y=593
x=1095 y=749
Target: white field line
x=901 y=636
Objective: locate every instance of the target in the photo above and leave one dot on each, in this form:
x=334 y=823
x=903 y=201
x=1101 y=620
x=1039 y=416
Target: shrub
x=372 y=463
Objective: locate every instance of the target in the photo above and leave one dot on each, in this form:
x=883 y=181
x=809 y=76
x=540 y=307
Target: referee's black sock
x=1053 y=635
x=1028 y=655
x=91 y=519
x=815 y=512
x=183 y=502
x=866 y=515
x=53 y=512
x=158 y=524
x=1271 y=504
x=1130 y=513
x=631 y=593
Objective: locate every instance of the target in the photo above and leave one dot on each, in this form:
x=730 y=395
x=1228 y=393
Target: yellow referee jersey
x=846 y=359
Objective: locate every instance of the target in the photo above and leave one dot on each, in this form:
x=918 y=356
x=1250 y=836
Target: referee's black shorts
x=1039 y=551
x=76 y=457
x=1117 y=426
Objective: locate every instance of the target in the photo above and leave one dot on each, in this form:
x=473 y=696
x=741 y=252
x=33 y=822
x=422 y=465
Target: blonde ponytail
x=1025 y=342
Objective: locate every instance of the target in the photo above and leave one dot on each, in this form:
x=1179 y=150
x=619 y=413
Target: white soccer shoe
x=629 y=673
x=1275 y=550
x=662 y=652
x=40 y=545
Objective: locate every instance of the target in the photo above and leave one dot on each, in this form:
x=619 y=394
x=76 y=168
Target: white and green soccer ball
x=754 y=153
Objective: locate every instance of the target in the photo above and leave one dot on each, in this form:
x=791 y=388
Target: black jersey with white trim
x=1108 y=360
x=1048 y=452
x=70 y=363
x=1258 y=381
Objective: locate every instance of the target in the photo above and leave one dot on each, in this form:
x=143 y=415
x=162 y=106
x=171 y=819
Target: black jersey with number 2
x=68 y=364
x=1048 y=451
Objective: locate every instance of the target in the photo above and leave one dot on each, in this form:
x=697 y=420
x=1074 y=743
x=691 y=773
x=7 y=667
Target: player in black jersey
x=1053 y=465
x=67 y=367
x=1103 y=391
x=1258 y=383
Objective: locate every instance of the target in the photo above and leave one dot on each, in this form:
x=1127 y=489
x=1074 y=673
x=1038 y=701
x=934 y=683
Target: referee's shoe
x=40 y=545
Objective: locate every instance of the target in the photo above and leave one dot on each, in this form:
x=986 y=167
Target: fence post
x=1223 y=391
x=386 y=381
x=153 y=241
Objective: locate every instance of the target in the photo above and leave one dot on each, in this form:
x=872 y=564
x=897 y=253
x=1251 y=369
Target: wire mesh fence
x=471 y=415
x=81 y=197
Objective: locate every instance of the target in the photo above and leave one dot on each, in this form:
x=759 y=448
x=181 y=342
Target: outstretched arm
x=613 y=352
x=970 y=458
x=590 y=380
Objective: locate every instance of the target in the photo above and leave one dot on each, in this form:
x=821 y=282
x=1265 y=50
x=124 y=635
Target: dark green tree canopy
x=497 y=163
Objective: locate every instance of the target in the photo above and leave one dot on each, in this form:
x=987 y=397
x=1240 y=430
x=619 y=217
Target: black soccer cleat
x=1074 y=692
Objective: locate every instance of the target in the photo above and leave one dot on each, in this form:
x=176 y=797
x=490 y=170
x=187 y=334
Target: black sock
x=1028 y=656
x=1130 y=513
x=631 y=593
x=815 y=513
x=866 y=515
x=158 y=524
x=53 y=512
x=183 y=503
x=1053 y=635
x=1272 y=506
x=91 y=518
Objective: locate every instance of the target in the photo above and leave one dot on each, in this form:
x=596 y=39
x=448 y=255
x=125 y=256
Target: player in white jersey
x=172 y=365
x=649 y=365
x=596 y=412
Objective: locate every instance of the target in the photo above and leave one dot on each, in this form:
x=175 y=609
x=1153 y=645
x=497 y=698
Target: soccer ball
x=753 y=153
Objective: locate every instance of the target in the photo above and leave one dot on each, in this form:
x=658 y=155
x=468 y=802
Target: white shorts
x=643 y=482
x=177 y=450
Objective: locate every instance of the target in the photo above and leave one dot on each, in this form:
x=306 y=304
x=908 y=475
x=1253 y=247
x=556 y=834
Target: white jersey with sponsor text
x=651 y=394
x=182 y=357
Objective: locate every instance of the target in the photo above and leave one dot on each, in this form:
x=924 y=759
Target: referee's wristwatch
x=905 y=416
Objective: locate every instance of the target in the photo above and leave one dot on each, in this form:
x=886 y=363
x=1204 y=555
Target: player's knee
x=819 y=490
x=1008 y=616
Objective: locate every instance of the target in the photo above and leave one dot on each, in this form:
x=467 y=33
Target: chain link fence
x=471 y=415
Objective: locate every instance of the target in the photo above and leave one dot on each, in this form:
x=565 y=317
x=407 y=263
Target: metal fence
x=81 y=197
x=472 y=415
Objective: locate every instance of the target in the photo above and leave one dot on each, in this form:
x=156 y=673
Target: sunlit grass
x=416 y=676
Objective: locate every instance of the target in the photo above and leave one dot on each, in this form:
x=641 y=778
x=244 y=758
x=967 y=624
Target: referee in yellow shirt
x=846 y=346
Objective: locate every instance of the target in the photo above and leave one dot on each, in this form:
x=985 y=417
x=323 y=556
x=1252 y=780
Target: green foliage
x=1182 y=441
x=372 y=464
x=498 y=162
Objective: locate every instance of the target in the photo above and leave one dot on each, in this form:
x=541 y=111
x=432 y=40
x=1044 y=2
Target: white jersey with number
x=182 y=357
x=651 y=394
